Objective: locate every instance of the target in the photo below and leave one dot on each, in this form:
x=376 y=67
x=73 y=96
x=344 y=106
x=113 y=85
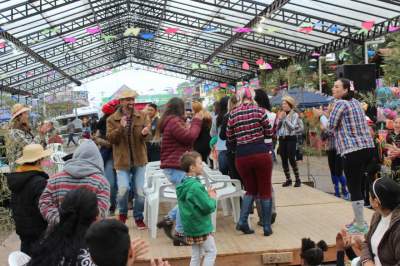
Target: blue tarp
x=304 y=99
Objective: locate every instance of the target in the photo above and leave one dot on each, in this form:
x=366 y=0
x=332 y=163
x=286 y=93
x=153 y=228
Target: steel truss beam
x=378 y=30
x=225 y=30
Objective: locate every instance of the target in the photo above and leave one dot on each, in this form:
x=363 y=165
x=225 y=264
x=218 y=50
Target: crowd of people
x=61 y=220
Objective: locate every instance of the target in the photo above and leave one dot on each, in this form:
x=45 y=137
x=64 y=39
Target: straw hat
x=126 y=92
x=18 y=109
x=289 y=100
x=32 y=153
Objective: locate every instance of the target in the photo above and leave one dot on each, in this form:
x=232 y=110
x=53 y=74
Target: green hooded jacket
x=195 y=207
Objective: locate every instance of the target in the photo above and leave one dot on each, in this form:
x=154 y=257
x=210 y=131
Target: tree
x=392 y=61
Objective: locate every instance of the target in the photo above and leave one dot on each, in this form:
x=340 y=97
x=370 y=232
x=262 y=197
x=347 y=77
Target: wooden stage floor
x=302 y=212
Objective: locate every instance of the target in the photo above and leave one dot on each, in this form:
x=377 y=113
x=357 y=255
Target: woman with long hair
x=248 y=126
x=220 y=145
x=287 y=131
x=20 y=134
x=201 y=144
x=65 y=243
x=354 y=143
x=176 y=139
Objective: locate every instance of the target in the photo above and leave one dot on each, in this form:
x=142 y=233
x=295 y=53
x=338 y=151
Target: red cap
x=110 y=107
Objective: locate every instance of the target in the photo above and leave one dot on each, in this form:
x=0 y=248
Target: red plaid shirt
x=248 y=123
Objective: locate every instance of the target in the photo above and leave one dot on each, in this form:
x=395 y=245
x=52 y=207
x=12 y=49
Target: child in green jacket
x=196 y=204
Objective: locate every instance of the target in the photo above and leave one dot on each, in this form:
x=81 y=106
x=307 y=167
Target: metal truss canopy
x=35 y=58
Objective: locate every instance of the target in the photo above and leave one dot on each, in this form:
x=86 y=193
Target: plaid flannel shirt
x=347 y=120
x=248 y=124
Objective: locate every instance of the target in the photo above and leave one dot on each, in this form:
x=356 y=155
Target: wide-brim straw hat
x=289 y=100
x=127 y=92
x=18 y=109
x=32 y=153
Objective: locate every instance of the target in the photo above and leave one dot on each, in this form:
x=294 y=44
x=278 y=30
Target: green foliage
x=392 y=60
x=6 y=222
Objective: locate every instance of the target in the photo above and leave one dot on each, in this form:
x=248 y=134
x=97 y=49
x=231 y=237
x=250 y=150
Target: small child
x=196 y=206
x=312 y=254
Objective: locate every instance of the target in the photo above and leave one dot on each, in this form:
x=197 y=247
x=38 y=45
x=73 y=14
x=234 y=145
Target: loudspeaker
x=363 y=76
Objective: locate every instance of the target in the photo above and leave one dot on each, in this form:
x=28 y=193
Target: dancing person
x=262 y=100
x=26 y=185
x=65 y=242
x=20 y=134
x=201 y=144
x=335 y=162
x=127 y=131
x=393 y=141
x=85 y=169
x=231 y=152
x=344 y=247
x=354 y=143
x=71 y=132
x=287 y=131
x=196 y=204
x=312 y=254
x=248 y=126
x=101 y=140
x=177 y=139
x=153 y=146
x=220 y=145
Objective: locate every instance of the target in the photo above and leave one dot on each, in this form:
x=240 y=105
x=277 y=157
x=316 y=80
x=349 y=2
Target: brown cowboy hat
x=32 y=153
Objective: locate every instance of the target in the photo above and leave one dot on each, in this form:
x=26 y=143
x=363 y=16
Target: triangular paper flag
x=223 y=67
x=29 y=74
x=245 y=65
x=306 y=25
x=171 y=31
x=160 y=66
x=55 y=30
x=70 y=39
x=132 y=31
x=195 y=66
x=210 y=29
x=203 y=66
x=2 y=44
x=265 y=66
x=315 y=54
x=318 y=24
x=334 y=29
x=223 y=85
x=45 y=31
x=271 y=29
x=242 y=30
x=147 y=35
x=305 y=29
x=93 y=30
x=393 y=28
x=368 y=24
x=260 y=61
x=108 y=37
x=217 y=62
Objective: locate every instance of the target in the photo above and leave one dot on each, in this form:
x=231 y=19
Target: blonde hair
x=197 y=107
x=233 y=101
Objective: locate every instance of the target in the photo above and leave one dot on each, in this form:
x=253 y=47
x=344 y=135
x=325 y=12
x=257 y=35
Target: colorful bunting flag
x=315 y=54
x=195 y=66
x=108 y=37
x=69 y=39
x=210 y=29
x=260 y=61
x=245 y=65
x=2 y=44
x=203 y=66
x=147 y=35
x=368 y=24
x=334 y=29
x=132 y=31
x=217 y=62
x=271 y=29
x=171 y=31
x=242 y=30
x=223 y=85
x=93 y=30
x=306 y=27
x=265 y=66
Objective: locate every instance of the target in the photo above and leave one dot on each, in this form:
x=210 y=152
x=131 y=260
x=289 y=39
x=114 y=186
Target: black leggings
x=335 y=163
x=287 y=150
x=355 y=165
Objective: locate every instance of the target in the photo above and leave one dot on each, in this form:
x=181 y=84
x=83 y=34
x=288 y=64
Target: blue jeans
x=223 y=162
x=110 y=175
x=175 y=176
x=134 y=176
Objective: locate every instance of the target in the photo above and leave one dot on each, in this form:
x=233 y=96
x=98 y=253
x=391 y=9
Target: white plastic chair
x=57 y=159
x=18 y=258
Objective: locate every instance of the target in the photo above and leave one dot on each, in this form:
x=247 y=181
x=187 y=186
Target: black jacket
x=26 y=188
x=202 y=143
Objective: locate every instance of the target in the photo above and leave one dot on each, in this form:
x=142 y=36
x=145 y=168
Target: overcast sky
x=144 y=82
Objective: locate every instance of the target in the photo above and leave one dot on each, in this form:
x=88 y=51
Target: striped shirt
x=247 y=124
x=60 y=184
x=350 y=128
